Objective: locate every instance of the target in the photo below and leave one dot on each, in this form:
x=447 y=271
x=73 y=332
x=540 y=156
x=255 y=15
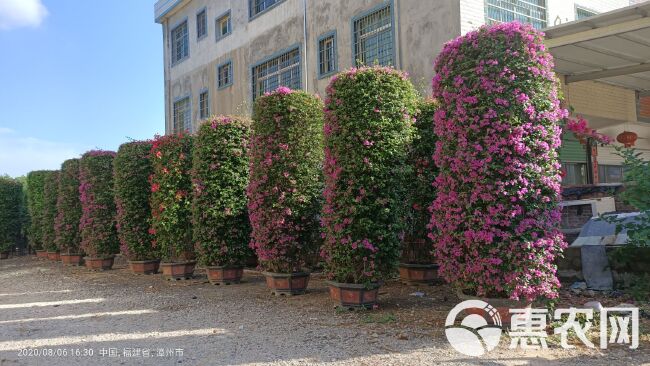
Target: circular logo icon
x=478 y=333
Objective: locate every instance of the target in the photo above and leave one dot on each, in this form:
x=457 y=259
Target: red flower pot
x=54 y=256
x=145 y=267
x=220 y=275
x=178 y=270
x=72 y=259
x=4 y=255
x=41 y=254
x=419 y=273
x=350 y=295
x=287 y=283
x=99 y=264
x=501 y=305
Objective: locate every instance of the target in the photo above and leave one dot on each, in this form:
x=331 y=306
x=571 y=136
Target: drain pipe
x=304 y=37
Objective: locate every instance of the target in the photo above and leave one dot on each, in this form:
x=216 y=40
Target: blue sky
x=75 y=76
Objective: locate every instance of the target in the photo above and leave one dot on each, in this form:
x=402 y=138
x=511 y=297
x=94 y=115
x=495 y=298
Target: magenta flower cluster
x=495 y=218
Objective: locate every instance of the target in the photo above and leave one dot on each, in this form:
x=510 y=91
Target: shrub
x=35 y=184
x=68 y=205
x=50 y=194
x=11 y=201
x=219 y=178
x=97 y=223
x=285 y=178
x=170 y=197
x=417 y=247
x=132 y=169
x=369 y=115
x=495 y=218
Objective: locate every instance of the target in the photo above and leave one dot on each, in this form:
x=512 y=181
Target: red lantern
x=627 y=138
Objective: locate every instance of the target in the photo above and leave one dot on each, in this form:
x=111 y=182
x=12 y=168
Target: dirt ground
x=55 y=315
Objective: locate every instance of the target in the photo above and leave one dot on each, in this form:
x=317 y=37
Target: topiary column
x=495 y=219
x=97 y=224
x=221 y=229
x=35 y=185
x=369 y=116
x=50 y=194
x=11 y=196
x=132 y=169
x=285 y=183
x=68 y=205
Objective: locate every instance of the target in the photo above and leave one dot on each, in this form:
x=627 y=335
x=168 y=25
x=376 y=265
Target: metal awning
x=612 y=47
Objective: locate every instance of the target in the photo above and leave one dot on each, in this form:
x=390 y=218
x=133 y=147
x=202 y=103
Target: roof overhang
x=612 y=47
x=163 y=7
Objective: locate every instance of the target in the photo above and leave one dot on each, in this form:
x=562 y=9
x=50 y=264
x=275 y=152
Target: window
x=256 y=7
x=373 y=38
x=180 y=43
x=283 y=70
x=574 y=174
x=204 y=106
x=224 y=75
x=582 y=13
x=610 y=174
x=224 y=26
x=525 y=11
x=327 y=54
x=182 y=115
x=201 y=24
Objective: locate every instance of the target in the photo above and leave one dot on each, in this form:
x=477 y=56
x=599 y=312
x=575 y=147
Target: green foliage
x=50 y=194
x=132 y=169
x=11 y=206
x=35 y=185
x=68 y=205
x=219 y=177
x=171 y=197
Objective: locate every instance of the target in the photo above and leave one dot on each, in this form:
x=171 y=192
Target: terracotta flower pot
x=287 y=283
x=54 y=256
x=72 y=259
x=4 y=255
x=178 y=270
x=41 y=254
x=350 y=295
x=145 y=267
x=221 y=275
x=99 y=264
x=501 y=305
x=419 y=273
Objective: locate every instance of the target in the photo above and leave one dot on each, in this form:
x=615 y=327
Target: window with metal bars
x=204 y=106
x=224 y=75
x=373 y=38
x=256 y=7
x=182 y=115
x=283 y=70
x=224 y=26
x=180 y=43
x=582 y=13
x=525 y=11
x=201 y=24
x=327 y=54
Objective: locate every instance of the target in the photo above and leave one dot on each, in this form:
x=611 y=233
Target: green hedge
x=284 y=192
x=219 y=177
x=97 y=224
x=11 y=202
x=132 y=192
x=66 y=226
x=171 y=197
x=35 y=184
x=50 y=194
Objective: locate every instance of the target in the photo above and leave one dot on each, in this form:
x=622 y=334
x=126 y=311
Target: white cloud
x=21 y=13
x=20 y=155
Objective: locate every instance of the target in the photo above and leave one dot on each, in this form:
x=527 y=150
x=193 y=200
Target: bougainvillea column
x=369 y=116
x=132 y=169
x=219 y=214
x=285 y=184
x=35 y=184
x=171 y=202
x=50 y=194
x=68 y=205
x=495 y=218
x=97 y=223
x=417 y=263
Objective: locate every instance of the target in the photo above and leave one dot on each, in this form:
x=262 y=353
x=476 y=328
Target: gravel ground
x=45 y=307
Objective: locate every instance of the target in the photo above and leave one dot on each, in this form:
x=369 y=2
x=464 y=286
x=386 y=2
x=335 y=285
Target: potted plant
x=5 y=249
x=11 y=205
x=68 y=205
x=35 y=185
x=97 y=224
x=495 y=217
x=417 y=262
x=285 y=185
x=50 y=193
x=369 y=115
x=221 y=229
x=171 y=212
x=132 y=169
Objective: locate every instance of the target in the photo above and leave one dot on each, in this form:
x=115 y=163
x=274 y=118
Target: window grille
x=224 y=77
x=201 y=24
x=180 y=43
x=224 y=26
x=259 y=6
x=204 y=108
x=283 y=70
x=327 y=55
x=182 y=114
x=373 y=38
x=525 y=11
